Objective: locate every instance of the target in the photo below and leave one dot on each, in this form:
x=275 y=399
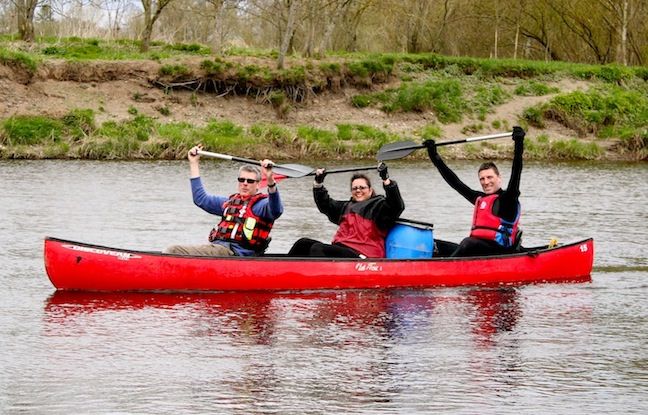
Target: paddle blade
x=398 y=150
x=277 y=177
x=292 y=170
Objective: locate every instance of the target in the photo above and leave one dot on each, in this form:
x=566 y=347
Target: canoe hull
x=85 y=267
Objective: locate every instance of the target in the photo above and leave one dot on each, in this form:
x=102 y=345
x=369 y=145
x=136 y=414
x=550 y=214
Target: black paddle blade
x=398 y=150
x=292 y=170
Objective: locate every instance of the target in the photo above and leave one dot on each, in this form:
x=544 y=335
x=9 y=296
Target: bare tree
x=293 y=7
x=115 y=12
x=25 y=11
x=622 y=14
x=152 y=11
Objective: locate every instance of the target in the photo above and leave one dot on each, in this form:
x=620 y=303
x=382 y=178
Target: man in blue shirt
x=246 y=216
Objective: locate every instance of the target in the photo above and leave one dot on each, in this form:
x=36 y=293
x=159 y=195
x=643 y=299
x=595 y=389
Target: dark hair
x=489 y=165
x=365 y=178
x=360 y=176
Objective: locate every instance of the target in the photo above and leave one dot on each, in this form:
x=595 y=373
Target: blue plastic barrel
x=410 y=240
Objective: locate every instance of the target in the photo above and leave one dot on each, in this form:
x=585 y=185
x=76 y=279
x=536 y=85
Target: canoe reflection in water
x=267 y=317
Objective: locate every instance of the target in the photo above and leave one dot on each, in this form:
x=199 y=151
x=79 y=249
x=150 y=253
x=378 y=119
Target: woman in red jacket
x=363 y=220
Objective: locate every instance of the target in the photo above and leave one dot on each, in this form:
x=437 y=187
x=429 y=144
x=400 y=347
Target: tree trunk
x=25 y=10
x=497 y=24
x=288 y=34
x=150 y=18
x=624 y=33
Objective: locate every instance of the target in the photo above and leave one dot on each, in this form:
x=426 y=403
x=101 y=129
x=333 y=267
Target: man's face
x=490 y=181
x=248 y=184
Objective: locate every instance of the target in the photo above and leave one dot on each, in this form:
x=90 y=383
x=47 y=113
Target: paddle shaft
x=466 y=140
x=402 y=149
x=289 y=170
x=345 y=170
x=471 y=139
x=228 y=157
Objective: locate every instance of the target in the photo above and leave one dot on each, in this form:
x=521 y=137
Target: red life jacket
x=361 y=234
x=239 y=224
x=486 y=225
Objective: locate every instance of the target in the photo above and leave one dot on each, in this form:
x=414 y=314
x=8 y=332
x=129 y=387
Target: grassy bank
x=77 y=135
x=608 y=118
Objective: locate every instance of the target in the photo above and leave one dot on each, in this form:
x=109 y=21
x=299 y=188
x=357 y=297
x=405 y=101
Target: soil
x=112 y=88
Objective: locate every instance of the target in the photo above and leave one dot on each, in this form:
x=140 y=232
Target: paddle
x=288 y=170
x=400 y=149
x=344 y=170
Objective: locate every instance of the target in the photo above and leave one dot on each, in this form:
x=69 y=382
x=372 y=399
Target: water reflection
x=496 y=311
x=347 y=348
x=390 y=314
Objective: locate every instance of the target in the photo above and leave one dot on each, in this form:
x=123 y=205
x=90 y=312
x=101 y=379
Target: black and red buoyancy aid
x=239 y=224
x=359 y=232
x=486 y=225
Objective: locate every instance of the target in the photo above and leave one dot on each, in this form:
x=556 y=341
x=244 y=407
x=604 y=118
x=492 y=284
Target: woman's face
x=360 y=190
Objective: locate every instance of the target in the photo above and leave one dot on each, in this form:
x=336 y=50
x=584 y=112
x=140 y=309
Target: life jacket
x=239 y=224
x=359 y=232
x=486 y=225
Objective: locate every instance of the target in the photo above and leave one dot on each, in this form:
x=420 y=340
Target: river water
x=549 y=348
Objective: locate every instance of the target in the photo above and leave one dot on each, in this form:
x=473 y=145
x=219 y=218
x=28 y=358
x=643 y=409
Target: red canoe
x=84 y=267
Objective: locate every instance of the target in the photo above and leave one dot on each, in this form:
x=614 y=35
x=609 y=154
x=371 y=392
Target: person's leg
x=302 y=247
x=199 y=250
x=444 y=248
x=478 y=247
x=335 y=251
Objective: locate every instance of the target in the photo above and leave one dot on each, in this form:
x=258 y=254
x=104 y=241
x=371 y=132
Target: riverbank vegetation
x=605 y=116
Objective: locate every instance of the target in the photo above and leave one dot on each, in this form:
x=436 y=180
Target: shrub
x=534 y=88
x=31 y=130
x=79 y=122
x=174 y=70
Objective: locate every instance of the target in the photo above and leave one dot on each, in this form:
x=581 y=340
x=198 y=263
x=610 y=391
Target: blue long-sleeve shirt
x=269 y=209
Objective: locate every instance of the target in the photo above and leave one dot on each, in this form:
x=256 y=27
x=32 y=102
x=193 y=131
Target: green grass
x=75 y=48
x=542 y=148
x=174 y=70
x=30 y=130
x=449 y=98
x=20 y=60
x=607 y=111
x=76 y=136
x=534 y=88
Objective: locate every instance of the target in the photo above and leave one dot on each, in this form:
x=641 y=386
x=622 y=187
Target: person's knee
x=467 y=246
x=173 y=250
x=318 y=249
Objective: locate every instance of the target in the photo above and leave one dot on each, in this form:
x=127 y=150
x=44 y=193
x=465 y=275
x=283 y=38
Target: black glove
x=431 y=148
x=518 y=134
x=382 y=171
x=319 y=178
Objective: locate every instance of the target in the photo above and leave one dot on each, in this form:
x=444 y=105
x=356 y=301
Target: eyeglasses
x=243 y=180
x=356 y=188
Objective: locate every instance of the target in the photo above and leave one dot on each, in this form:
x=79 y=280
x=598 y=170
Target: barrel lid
x=415 y=223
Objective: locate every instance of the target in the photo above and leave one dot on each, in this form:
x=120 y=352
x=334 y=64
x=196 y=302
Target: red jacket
x=363 y=225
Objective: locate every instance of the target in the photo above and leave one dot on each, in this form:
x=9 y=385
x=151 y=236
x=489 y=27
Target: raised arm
x=516 y=168
x=333 y=209
x=393 y=206
x=448 y=175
